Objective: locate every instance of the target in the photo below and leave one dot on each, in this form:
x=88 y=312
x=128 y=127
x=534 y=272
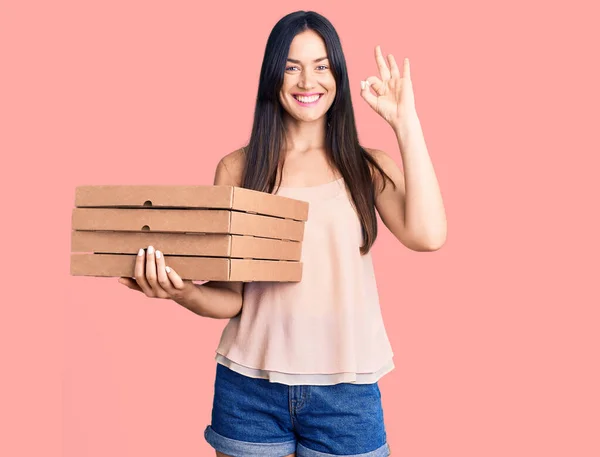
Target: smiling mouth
x=307 y=100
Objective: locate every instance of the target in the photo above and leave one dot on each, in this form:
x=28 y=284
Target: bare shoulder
x=230 y=168
x=388 y=165
x=229 y=173
x=390 y=201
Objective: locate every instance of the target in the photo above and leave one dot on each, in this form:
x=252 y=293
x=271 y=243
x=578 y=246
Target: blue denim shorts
x=257 y=418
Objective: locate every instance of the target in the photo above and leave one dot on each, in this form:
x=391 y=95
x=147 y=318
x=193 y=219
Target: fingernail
x=141 y=252
x=150 y=250
x=158 y=254
x=168 y=269
x=368 y=83
x=362 y=85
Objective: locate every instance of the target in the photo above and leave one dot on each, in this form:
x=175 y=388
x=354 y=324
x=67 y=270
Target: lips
x=307 y=99
x=307 y=94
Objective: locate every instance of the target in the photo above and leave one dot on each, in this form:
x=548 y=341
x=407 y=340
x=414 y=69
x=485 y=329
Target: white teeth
x=307 y=99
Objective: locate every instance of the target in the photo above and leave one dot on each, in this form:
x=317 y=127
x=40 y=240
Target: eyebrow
x=315 y=61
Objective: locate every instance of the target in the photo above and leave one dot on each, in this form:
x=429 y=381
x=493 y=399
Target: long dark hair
x=263 y=159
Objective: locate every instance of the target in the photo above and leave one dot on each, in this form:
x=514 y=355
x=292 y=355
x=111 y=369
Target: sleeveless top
x=325 y=329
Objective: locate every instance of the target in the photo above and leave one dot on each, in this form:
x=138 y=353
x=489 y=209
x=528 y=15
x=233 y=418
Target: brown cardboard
x=187 y=221
x=209 y=197
x=209 y=245
x=192 y=268
x=219 y=233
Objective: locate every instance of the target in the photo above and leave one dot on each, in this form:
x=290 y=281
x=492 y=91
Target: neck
x=304 y=136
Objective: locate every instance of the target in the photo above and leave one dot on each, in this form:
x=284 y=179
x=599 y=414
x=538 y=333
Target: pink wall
x=495 y=335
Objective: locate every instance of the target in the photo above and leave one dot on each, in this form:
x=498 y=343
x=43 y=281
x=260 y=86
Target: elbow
x=218 y=302
x=235 y=311
x=231 y=310
x=426 y=244
x=421 y=239
x=225 y=313
x=434 y=247
x=435 y=244
x=236 y=305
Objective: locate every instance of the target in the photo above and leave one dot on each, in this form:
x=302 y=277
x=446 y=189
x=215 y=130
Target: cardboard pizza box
x=191 y=267
x=187 y=221
x=189 y=209
x=207 y=245
x=208 y=197
x=220 y=233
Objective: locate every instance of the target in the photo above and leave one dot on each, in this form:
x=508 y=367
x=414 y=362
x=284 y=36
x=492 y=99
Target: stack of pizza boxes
x=206 y=233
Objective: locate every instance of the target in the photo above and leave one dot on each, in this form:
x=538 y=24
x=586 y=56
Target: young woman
x=299 y=363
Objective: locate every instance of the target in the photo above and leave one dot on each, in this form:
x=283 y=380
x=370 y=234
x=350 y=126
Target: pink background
x=495 y=335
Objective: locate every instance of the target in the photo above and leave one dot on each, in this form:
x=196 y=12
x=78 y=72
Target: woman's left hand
x=394 y=99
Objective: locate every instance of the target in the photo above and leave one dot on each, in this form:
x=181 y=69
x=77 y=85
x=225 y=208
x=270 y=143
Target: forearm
x=424 y=209
x=212 y=300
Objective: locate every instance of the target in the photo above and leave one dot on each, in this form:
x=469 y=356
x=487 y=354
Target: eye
x=324 y=67
x=289 y=68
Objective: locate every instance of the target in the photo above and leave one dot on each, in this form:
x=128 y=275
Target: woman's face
x=308 y=85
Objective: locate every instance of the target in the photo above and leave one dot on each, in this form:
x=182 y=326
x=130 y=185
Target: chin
x=309 y=119
x=305 y=117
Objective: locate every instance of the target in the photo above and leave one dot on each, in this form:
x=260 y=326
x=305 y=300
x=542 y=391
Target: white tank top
x=325 y=329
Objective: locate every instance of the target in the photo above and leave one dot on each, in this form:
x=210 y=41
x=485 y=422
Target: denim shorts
x=254 y=417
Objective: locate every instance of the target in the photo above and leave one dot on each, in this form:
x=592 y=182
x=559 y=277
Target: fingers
x=175 y=279
x=367 y=94
x=161 y=274
x=145 y=274
x=377 y=84
x=180 y=287
x=168 y=284
x=394 y=70
x=140 y=274
x=151 y=269
x=152 y=275
x=131 y=283
x=383 y=68
x=406 y=69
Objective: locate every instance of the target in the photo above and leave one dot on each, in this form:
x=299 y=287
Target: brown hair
x=262 y=155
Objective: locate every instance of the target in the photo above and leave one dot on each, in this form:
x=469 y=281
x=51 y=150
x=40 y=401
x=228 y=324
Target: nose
x=307 y=81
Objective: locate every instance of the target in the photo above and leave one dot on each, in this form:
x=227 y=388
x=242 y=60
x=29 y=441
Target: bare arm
x=414 y=212
x=213 y=299
x=217 y=299
x=417 y=222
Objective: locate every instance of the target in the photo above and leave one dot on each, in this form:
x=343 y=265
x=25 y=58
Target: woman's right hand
x=156 y=280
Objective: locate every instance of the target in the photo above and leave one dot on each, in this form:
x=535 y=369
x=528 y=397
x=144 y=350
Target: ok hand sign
x=394 y=98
